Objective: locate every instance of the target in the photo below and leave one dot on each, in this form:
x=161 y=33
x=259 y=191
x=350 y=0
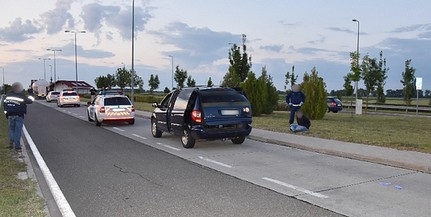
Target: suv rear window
x=70 y=94
x=221 y=95
x=55 y=93
x=117 y=101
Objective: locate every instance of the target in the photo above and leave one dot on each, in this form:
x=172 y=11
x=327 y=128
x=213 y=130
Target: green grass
x=17 y=197
x=407 y=133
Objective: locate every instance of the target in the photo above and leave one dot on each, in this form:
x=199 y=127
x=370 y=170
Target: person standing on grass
x=294 y=99
x=303 y=123
x=15 y=107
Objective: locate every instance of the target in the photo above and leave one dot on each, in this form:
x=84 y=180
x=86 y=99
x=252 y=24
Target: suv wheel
x=187 y=140
x=132 y=122
x=238 y=140
x=155 y=130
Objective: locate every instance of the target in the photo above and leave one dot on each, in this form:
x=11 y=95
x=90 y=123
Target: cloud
x=346 y=30
x=310 y=50
x=285 y=23
x=195 y=45
x=19 y=31
x=273 y=48
x=95 y=16
x=318 y=41
x=412 y=28
x=69 y=50
x=55 y=19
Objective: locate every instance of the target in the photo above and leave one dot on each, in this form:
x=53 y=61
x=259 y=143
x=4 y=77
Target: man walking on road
x=295 y=99
x=15 y=107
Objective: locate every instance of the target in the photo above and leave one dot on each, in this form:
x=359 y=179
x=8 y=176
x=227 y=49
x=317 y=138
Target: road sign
x=418 y=83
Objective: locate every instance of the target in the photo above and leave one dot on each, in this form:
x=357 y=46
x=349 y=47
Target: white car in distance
x=52 y=96
x=68 y=97
x=111 y=108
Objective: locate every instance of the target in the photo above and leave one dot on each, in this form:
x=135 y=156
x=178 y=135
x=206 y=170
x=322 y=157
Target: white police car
x=111 y=108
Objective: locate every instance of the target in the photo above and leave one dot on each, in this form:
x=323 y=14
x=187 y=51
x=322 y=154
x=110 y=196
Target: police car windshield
x=117 y=101
x=70 y=94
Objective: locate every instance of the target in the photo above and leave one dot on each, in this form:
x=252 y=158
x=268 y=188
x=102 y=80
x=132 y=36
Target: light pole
x=357 y=58
x=76 y=53
x=55 y=65
x=132 y=79
x=172 y=69
x=44 y=67
x=50 y=69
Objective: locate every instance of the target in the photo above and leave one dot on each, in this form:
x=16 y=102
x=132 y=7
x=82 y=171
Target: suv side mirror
x=155 y=105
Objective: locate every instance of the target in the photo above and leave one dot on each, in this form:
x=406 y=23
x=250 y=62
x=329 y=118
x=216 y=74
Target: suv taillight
x=133 y=109
x=102 y=110
x=197 y=116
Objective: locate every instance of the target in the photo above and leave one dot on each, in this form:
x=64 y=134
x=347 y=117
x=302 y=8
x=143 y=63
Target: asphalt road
x=104 y=174
x=120 y=170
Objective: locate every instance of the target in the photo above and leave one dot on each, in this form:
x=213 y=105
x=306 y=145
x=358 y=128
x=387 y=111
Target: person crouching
x=303 y=123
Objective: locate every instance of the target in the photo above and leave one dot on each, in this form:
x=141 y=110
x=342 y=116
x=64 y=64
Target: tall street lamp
x=76 y=53
x=132 y=79
x=55 y=65
x=357 y=57
x=44 y=66
x=172 y=69
x=50 y=69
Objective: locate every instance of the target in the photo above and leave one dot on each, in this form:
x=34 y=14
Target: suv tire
x=132 y=122
x=238 y=140
x=187 y=140
x=155 y=130
x=98 y=123
x=88 y=116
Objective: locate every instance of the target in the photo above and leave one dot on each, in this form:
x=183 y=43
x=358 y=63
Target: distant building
x=81 y=87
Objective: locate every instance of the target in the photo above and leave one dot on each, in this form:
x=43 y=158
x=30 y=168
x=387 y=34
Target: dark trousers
x=293 y=110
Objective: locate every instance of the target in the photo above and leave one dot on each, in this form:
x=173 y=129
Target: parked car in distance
x=68 y=97
x=208 y=113
x=111 y=108
x=52 y=96
x=334 y=104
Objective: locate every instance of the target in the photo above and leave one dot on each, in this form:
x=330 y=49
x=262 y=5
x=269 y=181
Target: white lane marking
x=59 y=198
x=303 y=190
x=168 y=146
x=119 y=129
x=141 y=137
x=215 y=162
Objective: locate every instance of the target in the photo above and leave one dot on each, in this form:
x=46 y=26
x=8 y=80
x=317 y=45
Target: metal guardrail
x=375 y=107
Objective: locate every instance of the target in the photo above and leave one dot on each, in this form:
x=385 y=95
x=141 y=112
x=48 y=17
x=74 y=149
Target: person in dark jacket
x=303 y=123
x=15 y=107
x=294 y=99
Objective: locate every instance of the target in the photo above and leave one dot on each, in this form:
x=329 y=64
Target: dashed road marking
x=141 y=137
x=296 y=188
x=215 y=162
x=119 y=129
x=168 y=146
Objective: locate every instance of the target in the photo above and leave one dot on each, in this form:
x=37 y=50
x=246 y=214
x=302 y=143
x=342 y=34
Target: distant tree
x=153 y=83
x=122 y=77
x=381 y=81
x=166 y=90
x=348 y=88
x=105 y=81
x=191 y=82
x=180 y=76
x=427 y=93
x=314 y=88
x=240 y=65
x=290 y=78
x=408 y=82
x=370 y=75
x=138 y=81
x=269 y=95
x=210 y=82
x=6 y=88
x=231 y=79
x=254 y=91
x=355 y=67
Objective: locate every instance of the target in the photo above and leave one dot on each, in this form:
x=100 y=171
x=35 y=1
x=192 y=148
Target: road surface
x=120 y=170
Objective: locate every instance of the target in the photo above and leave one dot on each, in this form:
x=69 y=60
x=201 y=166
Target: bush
x=313 y=86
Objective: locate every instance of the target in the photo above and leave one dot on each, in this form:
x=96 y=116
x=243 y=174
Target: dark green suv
x=208 y=113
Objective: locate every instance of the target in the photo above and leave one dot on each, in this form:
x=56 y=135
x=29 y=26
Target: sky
x=280 y=34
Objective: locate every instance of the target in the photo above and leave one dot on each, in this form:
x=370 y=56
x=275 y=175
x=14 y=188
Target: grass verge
x=400 y=132
x=17 y=197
